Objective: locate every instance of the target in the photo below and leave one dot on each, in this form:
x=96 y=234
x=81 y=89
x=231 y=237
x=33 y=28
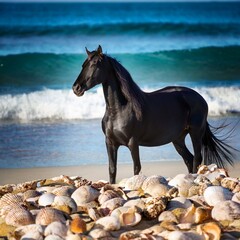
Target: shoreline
x=99 y=172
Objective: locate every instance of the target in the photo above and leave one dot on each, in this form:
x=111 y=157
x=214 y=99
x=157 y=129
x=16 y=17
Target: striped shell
x=30 y=194
x=18 y=217
x=64 y=191
x=48 y=215
x=10 y=199
x=107 y=195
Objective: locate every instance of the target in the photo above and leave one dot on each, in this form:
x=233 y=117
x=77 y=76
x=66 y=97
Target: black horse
x=135 y=118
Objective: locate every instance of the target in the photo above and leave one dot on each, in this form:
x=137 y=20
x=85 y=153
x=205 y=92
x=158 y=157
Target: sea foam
x=53 y=105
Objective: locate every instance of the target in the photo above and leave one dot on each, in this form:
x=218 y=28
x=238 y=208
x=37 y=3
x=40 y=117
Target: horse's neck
x=113 y=95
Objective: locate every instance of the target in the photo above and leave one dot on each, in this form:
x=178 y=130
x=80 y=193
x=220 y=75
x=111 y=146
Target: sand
x=98 y=172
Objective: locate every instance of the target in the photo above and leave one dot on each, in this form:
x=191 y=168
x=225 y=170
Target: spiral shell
x=18 y=217
x=48 y=215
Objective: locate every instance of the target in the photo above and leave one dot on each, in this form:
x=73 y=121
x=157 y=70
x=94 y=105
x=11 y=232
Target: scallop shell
x=10 y=199
x=85 y=194
x=18 y=217
x=107 y=195
x=48 y=215
x=113 y=203
x=109 y=223
x=64 y=191
x=226 y=211
x=135 y=182
x=154 y=206
x=216 y=194
x=56 y=228
x=65 y=204
x=78 y=225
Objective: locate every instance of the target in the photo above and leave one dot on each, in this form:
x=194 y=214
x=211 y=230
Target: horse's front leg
x=134 y=148
x=112 y=158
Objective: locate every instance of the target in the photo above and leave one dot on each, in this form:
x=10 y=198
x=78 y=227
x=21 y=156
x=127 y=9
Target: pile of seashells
x=200 y=206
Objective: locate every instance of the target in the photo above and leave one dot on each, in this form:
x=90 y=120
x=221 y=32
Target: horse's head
x=92 y=72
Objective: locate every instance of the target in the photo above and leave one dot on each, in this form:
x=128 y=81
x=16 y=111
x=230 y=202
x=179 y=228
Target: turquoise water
x=42 y=47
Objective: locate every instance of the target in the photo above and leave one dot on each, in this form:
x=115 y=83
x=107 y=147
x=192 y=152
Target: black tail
x=216 y=150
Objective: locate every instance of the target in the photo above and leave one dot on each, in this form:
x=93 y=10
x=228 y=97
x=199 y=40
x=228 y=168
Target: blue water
x=42 y=47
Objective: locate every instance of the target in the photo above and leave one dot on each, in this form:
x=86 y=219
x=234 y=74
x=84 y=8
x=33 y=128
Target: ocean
x=42 y=48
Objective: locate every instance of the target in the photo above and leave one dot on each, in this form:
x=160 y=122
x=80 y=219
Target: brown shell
x=10 y=199
x=18 y=217
x=78 y=225
x=48 y=215
x=64 y=191
x=30 y=194
x=107 y=195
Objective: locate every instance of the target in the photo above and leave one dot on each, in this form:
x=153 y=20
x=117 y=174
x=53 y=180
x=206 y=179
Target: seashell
x=85 y=194
x=65 y=204
x=20 y=231
x=154 y=230
x=118 y=211
x=56 y=228
x=64 y=191
x=122 y=183
x=183 y=182
x=196 y=215
x=18 y=217
x=216 y=194
x=22 y=187
x=237 y=188
x=8 y=188
x=178 y=235
x=134 y=234
x=113 y=203
x=94 y=214
x=203 y=169
x=215 y=177
x=185 y=226
x=99 y=233
x=156 y=190
x=30 y=194
x=99 y=184
x=179 y=202
x=201 y=179
x=130 y=217
x=11 y=199
x=46 y=189
x=135 y=182
x=226 y=211
x=78 y=225
x=46 y=199
x=210 y=230
x=154 y=206
x=167 y=216
x=48 y=215
x=137 y=203
x=170 y=226
x=229 y=183
x=109 y=223
x=53 y=237
x=33 y=235
x=155 y=179
x=107 y=195
x=236 y=197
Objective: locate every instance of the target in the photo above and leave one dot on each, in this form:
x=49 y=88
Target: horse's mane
x=129 y=88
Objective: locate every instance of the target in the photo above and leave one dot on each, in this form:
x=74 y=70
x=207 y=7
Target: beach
x=99 y=172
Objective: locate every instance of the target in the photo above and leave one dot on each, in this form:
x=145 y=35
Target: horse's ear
x=99 y=50
x=88 y=52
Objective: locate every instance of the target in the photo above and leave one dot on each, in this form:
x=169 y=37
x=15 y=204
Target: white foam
x=63 y=104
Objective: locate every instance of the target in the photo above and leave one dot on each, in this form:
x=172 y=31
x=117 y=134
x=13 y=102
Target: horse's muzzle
x=78 y=90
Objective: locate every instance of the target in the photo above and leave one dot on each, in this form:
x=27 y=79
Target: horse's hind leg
x=187 y=156
x=134 y=148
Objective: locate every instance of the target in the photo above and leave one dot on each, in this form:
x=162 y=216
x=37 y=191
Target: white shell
x=107 y=195
x=46 y=199
x=113 y=203
x=216 y=194
x=152 y=180
x=53 y=237
x=179 y=202
x=157 y=189
x=236 y=197
x=64 y=191
x=56 y=228
x=85 y=194
x=20 y=231
x=130 y=217
x=65 y=201
x=99 y=233
x=137 y=203
x=33 y=235
x=226 y=211
x=135 y=182
x=178 y=235
x=109 y=223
